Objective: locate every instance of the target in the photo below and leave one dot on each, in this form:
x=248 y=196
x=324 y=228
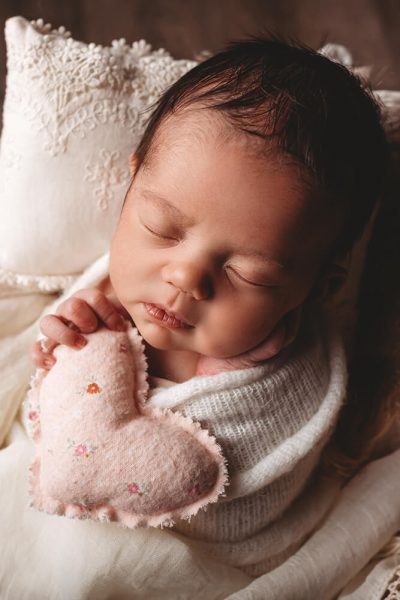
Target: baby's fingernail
x=117 y=323
x=80 y=342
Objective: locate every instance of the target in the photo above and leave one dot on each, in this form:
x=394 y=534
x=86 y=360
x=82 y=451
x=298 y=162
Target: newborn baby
x=257 y=170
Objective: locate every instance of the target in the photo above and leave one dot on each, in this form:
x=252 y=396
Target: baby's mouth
x=166 y=319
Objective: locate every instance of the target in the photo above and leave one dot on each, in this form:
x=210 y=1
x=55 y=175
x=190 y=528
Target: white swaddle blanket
x=280 y=517
x=272 y=422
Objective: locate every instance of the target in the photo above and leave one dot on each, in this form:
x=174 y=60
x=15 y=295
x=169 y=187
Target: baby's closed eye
x=253 y=280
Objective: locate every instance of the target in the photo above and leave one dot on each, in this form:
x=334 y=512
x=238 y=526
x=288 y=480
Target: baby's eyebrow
x=165 y=204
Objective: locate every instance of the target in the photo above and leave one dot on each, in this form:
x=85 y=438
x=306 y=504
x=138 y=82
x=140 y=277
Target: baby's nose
x=190 y=278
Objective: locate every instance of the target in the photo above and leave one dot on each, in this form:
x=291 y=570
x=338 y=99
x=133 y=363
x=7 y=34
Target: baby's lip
x=177 y=316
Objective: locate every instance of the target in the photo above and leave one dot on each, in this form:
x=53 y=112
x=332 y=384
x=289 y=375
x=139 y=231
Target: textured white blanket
x=47 y=556
x=272 y=422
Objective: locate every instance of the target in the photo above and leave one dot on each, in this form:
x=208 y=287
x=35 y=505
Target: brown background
x=369 y=28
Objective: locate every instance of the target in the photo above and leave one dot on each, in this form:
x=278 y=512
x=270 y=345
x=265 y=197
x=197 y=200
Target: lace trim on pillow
x=393 y=589
x=138 y=48
x=88 y=85
x=36 y=283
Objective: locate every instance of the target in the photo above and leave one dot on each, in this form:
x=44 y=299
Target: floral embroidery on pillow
x=106 y=173
x=77 y=110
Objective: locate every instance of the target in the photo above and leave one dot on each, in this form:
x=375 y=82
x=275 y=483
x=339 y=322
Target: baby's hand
x=78 y=314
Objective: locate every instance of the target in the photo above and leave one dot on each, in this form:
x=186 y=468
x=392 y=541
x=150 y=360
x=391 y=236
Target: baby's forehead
x=210 y=130
x=196 y=125
x=202 y=126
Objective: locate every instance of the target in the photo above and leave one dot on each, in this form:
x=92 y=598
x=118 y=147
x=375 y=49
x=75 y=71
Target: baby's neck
x=175 y=365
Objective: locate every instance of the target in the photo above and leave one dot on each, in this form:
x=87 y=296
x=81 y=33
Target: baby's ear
x=329 y=282
x=133 y=163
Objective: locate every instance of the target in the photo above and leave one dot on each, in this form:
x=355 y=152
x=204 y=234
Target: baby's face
x=227 y=242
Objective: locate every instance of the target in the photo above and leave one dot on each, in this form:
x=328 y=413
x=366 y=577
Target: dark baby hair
x=309 y=106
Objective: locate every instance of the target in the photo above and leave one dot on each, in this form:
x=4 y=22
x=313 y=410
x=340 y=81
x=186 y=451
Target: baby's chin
x=162 y=338
x=185 y=340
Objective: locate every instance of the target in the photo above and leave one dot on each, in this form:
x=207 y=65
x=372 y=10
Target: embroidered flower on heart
x=133 y=488
x=84 y=511
x=81 y=450
x=33 y=415
x=93 y=388
x=139 y=489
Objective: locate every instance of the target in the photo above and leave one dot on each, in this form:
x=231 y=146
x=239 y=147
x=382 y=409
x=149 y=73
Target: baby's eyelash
x=262 y=285
x=160 y=235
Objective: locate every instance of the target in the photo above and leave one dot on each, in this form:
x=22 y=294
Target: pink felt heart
x=101 y=453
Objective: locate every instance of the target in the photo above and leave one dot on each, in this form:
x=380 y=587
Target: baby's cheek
x=115 y=262
x=223 y=339
x=123 y=265
x=237 y=329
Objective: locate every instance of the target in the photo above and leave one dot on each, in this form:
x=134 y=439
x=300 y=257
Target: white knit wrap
x=272 y=422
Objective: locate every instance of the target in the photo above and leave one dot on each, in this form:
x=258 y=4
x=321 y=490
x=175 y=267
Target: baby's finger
x=47 y=345
x=53 y=327
x=102 y=306
x=41 y=360
x=76 y=313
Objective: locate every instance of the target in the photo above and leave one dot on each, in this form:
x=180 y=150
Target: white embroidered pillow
x=73 y=113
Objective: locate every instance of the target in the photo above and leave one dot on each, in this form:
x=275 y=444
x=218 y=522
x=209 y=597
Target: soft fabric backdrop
x=369 y=28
